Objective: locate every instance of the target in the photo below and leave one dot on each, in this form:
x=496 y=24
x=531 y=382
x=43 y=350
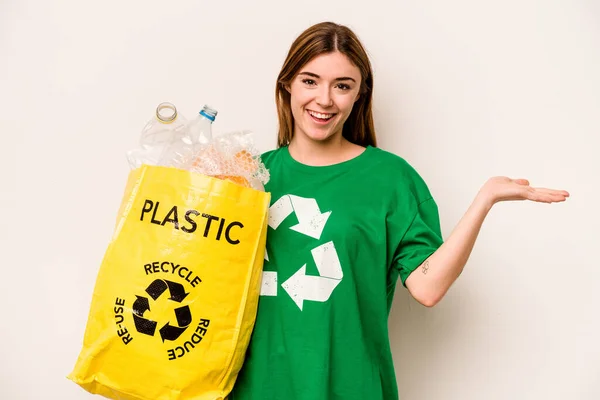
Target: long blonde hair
x=322 y=38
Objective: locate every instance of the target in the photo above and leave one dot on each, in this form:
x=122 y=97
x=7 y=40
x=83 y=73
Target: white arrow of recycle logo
x=311 y=222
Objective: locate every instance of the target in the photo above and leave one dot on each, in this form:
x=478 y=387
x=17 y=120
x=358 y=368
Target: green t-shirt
x=339 y=237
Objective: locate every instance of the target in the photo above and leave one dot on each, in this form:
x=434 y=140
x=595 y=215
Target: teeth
x=319 y=115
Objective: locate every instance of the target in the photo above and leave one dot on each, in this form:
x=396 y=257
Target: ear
x=286 y=87
x=357 y=97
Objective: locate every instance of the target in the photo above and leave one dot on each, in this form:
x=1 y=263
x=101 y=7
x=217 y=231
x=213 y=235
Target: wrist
x=484 y=201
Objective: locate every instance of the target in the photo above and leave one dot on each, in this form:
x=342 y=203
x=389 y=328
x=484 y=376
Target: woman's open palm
x=502 y=188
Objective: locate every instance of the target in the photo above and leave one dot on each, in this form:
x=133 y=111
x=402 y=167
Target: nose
x=324 y=98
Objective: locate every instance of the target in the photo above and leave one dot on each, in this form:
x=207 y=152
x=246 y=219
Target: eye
x=309 y=82
x=343 y=86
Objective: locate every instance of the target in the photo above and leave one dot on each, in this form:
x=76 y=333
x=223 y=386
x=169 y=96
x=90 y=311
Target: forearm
x=430 y=282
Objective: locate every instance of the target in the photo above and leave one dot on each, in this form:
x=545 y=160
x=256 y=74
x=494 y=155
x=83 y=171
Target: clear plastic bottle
x=200 y=128
x=185 y=149
x=166 y=126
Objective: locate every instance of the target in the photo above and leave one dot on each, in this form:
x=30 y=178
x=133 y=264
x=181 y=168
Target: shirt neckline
x=297 y=165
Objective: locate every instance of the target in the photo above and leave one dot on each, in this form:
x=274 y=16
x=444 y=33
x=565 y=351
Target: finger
x=547 y=197
x=540 y=195
x=553 y=191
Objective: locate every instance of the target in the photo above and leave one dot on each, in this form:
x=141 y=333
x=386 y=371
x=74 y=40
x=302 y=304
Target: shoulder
x=392 y=159
x=401 y=174
x=268 y=156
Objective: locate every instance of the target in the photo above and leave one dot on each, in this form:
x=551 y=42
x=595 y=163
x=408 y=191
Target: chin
x=320 y=137
x=317 y=135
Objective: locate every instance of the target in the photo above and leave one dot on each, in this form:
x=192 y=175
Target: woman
x=347 y=220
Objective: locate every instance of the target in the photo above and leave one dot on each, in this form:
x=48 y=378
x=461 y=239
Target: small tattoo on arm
x=425 y=267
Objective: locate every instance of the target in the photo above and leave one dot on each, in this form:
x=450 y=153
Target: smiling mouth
x=321 y=117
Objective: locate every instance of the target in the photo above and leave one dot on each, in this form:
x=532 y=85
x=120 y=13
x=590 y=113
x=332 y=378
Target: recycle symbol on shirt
x=311 y=222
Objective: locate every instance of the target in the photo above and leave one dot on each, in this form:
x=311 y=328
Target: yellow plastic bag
x=176 y=295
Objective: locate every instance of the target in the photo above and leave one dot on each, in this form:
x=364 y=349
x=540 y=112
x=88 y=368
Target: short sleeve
x=422 y=238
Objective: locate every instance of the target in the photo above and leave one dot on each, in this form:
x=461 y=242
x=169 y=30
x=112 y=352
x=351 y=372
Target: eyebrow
x=343 y=78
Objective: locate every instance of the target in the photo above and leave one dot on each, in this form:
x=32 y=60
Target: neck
x=321 y=153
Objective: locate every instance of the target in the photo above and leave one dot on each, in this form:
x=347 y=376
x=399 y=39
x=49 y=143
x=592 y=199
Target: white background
x=464 y=90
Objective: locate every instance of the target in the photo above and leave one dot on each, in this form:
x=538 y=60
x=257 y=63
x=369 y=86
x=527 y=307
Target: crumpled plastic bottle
x=166 y=126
